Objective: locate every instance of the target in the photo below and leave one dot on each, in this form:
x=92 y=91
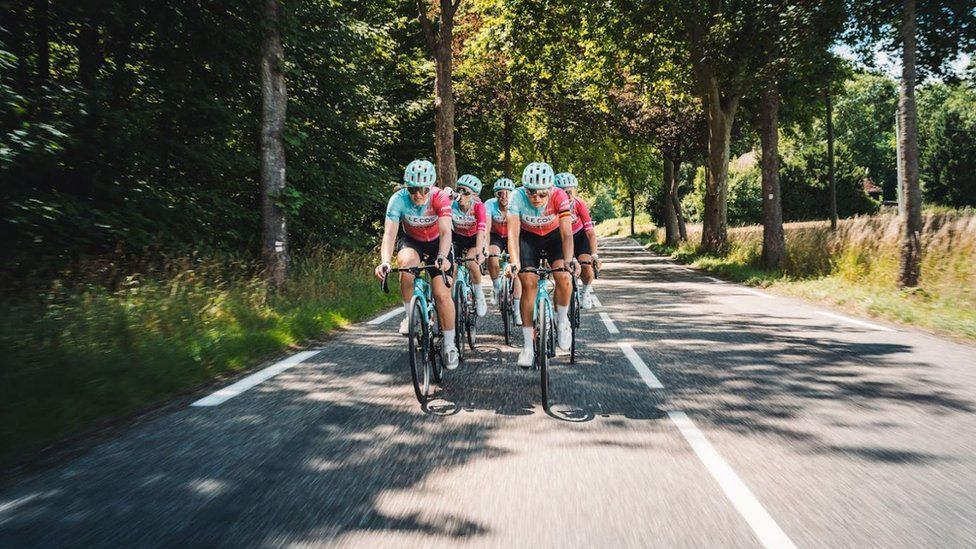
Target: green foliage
x=947 y=139
x=602 y=207
x=86 y=352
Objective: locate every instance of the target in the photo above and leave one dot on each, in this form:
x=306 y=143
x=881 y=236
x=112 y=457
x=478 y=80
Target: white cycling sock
x=587 y=289
x=478 y=291
x=449 y=338
x=527 y=336
x=562 y=314
x=518 y=310
x=406 y=306
x=496 y=284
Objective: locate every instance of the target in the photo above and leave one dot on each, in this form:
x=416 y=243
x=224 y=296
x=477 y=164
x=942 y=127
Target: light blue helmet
x=538 y=175
x=566 y=180
x=503 y=184
x=420 y=173
x=471 y=182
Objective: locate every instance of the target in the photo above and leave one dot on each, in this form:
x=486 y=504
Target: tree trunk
x=911 y=244
x=507 y=144
x=632 y=212
x=832 y=179
x=444 y=97
x=676 y=202
x=274 y=102
x=720 y=116
x=42 y=44
x=774 y=242
x=670 y=217
x=90 y=56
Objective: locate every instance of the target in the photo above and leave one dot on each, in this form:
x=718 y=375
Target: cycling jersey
x=499 y=217
x=471 y=222
x=419 y=222
x=542 y=220
x=580 y=215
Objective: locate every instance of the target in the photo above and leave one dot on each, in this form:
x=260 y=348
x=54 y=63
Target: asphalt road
x=701 y=414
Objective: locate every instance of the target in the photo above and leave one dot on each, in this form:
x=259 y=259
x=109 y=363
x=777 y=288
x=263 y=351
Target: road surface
x=701 y=414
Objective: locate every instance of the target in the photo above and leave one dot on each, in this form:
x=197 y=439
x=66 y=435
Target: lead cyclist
x=424 y=211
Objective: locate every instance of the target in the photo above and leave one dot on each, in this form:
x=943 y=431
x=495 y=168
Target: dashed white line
x=646 y=374
x=608 y=322
x=857 y=322
x=756 y=292
x=762 y=524
x=387 y=316
x=596 y=301
x=713 y=279
x=235 y=389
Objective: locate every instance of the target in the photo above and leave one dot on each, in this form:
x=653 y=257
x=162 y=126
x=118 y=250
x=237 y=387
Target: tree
x=929 y=36
x=947 y=141
x=440 y=42
x=274 y=102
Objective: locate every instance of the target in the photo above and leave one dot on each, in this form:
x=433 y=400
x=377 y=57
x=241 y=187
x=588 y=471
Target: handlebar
x=415 y=271
x=596 y=269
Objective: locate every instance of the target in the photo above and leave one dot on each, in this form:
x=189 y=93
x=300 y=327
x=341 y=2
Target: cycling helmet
x=503 y=184
x=566 y=180
x=538 y=175
x=471 y=182
x=420 y=173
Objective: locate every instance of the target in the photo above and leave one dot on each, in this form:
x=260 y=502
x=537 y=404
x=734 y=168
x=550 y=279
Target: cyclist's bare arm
x=444 y=225
x=390 y=230
x=514 y=228
x=566 y=232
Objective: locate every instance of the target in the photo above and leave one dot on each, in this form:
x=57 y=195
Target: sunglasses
x=500 y=194
x=418 y=190
x=540 y=194
x=464 y=192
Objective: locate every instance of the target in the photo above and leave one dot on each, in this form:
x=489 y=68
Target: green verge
x=854 y=268
x=73 y=357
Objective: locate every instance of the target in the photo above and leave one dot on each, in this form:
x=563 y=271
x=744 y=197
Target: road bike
x=466 y=317
x=575 y=308
x=544 y=322
x=424 y=334
x=506 y=298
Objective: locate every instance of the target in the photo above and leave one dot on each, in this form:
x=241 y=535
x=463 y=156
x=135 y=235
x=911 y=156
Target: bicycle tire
x=472 y=320
x=437 y=365
x=419 y=344
x=505 y=308
x=460 y=310
x=574 y=316
x=542 y=353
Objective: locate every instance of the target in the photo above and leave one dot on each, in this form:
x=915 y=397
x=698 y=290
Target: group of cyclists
x=543 y=219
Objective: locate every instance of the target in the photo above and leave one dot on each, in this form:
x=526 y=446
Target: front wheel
x=471 y=317
x=418 y=337
x=505 y=307
x=542 y=335
x=574 y=321
x=460 y=319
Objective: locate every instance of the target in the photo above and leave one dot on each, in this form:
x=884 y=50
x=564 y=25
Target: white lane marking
x=715 y=280
x=231 y=391
x=858 y=322
x=755 y=292
x=646 y=374
x=596 y=300
x=762 y=524
x=11 y=505
x=384 y=317
x=608 y=322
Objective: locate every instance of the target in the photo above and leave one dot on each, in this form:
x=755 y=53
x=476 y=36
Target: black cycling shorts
x=581 y=243
x=532 y=248
x=498 y=240
x=426 y=250
x=464 y=243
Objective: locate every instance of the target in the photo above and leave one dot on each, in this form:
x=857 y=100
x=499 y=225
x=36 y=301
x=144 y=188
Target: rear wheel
x=460 y=322
x=542 y=336
x=418 y=337
x=472 y=320
x=437 y=365
x=505 y=307
x=574 y=321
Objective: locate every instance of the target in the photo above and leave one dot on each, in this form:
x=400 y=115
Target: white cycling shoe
x=449 y=354
x=587 y=301
x=565 y=336
x=405 y=326
x=480 y=306
x=527 y=357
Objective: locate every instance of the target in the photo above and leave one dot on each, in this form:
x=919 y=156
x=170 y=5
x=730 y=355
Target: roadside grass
x=75 y=356
x=620 y=226
x=855 y=267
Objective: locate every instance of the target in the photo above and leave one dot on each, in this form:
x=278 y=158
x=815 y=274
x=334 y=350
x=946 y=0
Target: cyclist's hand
x=513 y=269
x=442 y=263
x=479 y=257
x=596 y=262
x=382 y=270
x=574 y=267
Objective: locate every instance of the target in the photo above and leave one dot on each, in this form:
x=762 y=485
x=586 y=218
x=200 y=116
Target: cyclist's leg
x=529 y=253
x=494 y=265
x=581 y=247
x=475 y=270
x=445 y=305
x=407 y=256
x=564 y=285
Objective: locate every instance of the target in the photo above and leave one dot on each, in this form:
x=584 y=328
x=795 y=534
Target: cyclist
x=470 y=227
x=497 y=209
x=584 y=237
x=539 y=224
x=424 y=211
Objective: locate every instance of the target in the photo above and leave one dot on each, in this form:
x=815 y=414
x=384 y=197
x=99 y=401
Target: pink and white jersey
x=580 y=215
x=419 y=222
x=499 y=217
x=540 y=221
x=471 y=222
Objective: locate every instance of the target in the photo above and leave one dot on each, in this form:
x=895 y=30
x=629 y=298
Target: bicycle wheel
x=471 y=320
x=418 y=337
x=437 y=365
x=504 y=306
x=460 y=312
x=542 y=336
